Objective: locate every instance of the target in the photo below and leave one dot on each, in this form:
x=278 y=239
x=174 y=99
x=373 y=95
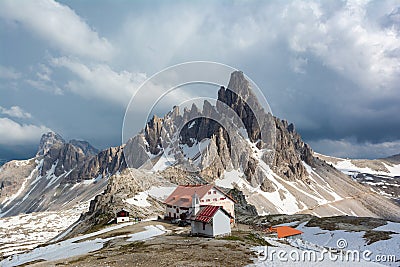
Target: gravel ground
x=176 y=248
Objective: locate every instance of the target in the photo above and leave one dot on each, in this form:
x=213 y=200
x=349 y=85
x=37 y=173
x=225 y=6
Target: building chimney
x=195 y=204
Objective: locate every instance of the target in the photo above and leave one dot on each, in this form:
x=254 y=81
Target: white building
x=122 y=216
x=210 y=220
x=179 y=203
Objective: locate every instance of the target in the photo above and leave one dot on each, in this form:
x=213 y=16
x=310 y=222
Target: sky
x=330 y=67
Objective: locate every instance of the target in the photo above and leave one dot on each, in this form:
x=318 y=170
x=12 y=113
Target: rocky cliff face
x=12 y=178
x=47 y=141
x=290 y=151
x=61 y=174
x=226 y=154
x=236 y=144
x=85 y=147
x=271 y=165
x=78 y=159
x=122 y=186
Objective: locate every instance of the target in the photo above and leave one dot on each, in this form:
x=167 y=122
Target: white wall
x=122 y=219
x=197 y=228
x=173 y=211
x=221 y=224
x=216 y=198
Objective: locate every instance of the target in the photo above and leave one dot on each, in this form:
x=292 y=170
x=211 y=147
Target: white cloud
x=44 y=73
x=9 y=73
x=44 y=81
x=298 y=64
x=346 y=40
x=340 y=35
x=59 y=25
x=349 y=148
x=16 y=112
x=47 y=86
x=348 y=51
x=100 y=81
x=13 y=133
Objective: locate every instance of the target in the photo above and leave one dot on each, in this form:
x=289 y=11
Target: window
x=202 y=200
x=214 y=199
x=177 y=210
x=208 y=200
x=215 y=192
x=209 y=192
x=204 y=226
x=169 y=206
x=222 y=198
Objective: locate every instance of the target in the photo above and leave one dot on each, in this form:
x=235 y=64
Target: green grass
x=257 y=239
x=348 y=223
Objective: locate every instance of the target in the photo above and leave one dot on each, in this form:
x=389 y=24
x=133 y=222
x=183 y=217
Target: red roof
x=207 y=213
x=182 y=195
x=123 y=213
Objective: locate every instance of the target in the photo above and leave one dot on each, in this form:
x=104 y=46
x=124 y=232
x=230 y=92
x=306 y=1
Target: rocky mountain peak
x=153 y=133
x=197 y=125
x=239 y=97
x=85 y=146
x=239 y=82
x=77 y=160
x=47 y=141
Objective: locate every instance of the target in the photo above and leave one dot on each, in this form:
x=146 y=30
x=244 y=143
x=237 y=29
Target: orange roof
x=182 y=195
x=285 y=231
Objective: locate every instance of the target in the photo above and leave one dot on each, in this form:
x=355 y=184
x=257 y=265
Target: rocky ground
x=176 y=248
x=159 y=243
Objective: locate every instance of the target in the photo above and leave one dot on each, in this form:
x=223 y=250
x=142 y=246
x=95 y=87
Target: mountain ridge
x=240 y=148
x=296 y=182
x=61 y=174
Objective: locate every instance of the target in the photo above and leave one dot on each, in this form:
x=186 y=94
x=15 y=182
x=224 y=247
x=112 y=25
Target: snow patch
x=191 y=124
x=26 y=231
x=161 y=192
x=71 y=247
x=151 y=231
x=230 y=179
x=316 y=240
x=139 y=200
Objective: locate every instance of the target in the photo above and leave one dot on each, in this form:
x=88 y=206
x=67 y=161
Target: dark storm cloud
x=330 y=67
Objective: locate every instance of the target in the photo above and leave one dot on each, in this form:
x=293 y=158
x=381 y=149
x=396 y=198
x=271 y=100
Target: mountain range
x=234 y=143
